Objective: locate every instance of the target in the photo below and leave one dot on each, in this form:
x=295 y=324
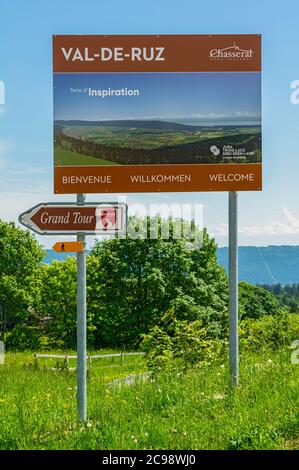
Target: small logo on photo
x=295 y=94
x=215 y=150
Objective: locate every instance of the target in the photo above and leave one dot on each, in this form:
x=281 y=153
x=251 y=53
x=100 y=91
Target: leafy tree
x=133 y=282
x=287 y=295
x=57 y=306
x=20 y=255
x=255 y=302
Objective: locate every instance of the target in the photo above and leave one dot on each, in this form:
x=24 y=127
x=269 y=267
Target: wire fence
x=89 y=358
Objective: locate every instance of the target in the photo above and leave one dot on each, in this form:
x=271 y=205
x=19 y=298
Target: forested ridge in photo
x=134 y=142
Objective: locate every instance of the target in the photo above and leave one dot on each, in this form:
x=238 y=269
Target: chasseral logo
x=215 y=150
x=233 y=52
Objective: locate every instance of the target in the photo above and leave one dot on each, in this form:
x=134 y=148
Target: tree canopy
x=133 y=282
x=20 y=255
x=255 y=302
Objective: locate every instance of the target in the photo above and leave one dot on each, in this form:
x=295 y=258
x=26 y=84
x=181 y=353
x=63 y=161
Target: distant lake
x=213 y=122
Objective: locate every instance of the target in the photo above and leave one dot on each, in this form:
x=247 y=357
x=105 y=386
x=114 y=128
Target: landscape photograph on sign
x=157 y=118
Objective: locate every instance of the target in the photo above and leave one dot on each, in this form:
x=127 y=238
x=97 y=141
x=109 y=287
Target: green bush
x=47 y=343
x=179 y=344
x=256 y=302
x=22 y=337
x=269 y=332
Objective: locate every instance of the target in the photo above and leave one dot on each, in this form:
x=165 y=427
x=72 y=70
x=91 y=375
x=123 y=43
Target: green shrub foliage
x=163 y=291
x=134 y=282
x=20 y=256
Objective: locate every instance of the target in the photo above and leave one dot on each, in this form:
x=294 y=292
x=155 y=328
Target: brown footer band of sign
x=153 y=178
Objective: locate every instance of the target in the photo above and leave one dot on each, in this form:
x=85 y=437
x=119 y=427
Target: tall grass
x=192 y=410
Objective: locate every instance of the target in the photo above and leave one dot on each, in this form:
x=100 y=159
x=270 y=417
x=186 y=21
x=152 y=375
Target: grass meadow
x=180 y=410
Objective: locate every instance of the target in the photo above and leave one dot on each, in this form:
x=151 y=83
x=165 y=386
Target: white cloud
x=7 y=166
x=289 y=225
x=293 y=222
x=5 y=148
x=228 y=116
x=13 y=203
x=34 y=170
x=220 y=230
x=2 y=163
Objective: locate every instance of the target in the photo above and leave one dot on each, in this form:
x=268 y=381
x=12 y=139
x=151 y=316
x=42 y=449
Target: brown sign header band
x=160 y=53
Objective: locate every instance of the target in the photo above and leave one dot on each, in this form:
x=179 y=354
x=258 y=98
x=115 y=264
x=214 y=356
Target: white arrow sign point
x=26 y=218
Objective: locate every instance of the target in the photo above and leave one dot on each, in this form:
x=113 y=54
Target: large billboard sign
x=157 y=113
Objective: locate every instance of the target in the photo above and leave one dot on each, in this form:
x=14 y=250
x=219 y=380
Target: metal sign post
x=233 y=286
x=81 y=323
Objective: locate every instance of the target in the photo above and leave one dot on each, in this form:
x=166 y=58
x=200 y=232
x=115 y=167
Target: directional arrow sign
x=68 y=247
x=71 y=218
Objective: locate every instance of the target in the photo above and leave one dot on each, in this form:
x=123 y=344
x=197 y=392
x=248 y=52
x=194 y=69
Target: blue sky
x=161 y=95
x=267 y=217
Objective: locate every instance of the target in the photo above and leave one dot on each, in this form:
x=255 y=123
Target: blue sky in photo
x=161 y=95
x=26 y=135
